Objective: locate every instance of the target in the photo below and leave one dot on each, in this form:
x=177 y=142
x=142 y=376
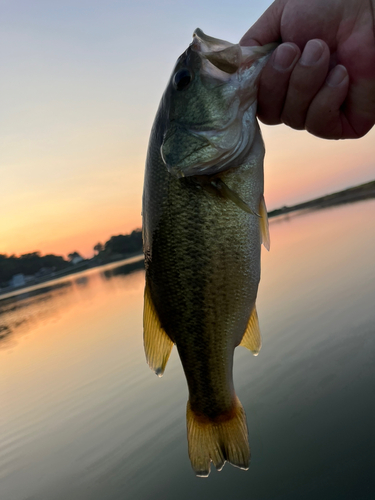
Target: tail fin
x=219 y=441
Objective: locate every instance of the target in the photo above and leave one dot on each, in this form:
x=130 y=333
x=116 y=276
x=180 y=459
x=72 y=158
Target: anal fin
x=252 y=339
x=156 y=342
x=263 y=221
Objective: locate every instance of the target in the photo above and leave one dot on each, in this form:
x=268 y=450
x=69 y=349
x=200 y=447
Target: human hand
x=329 y=90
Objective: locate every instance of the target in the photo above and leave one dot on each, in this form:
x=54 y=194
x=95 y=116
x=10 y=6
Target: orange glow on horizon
x=106 y=201
x=82 y=236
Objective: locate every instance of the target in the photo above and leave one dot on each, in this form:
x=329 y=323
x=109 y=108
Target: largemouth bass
x=204 y=219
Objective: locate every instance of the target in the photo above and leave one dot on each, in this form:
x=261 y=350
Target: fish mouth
x=225 y=56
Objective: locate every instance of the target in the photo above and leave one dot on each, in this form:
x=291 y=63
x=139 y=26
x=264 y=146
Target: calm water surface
x=82 y=417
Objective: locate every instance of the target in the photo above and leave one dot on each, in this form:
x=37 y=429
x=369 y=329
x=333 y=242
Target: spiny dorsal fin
x=156 y=342
x=252 y=339
x=264 y=229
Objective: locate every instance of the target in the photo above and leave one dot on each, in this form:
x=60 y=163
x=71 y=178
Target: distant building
x=77 y=259
x=45 y=271
x=17 y=280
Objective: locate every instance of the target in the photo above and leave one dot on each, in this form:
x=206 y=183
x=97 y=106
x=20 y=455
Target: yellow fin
x=219 y=441
x=156 y=342
x=252 y=339
x=264 y=229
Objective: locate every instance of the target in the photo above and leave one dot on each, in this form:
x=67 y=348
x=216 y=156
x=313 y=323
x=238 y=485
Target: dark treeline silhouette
x=38 y=266
x=123 y=244
x=29 y=264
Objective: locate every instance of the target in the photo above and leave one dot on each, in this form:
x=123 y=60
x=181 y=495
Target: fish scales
x=202 y=258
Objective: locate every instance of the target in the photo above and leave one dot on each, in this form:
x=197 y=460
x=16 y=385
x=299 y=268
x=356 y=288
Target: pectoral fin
x=252 y=339
x=264 y=229
x=229 y=194
x=157 y=344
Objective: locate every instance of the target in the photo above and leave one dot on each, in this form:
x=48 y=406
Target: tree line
x=29 y=264
x=35 y=264
x=123 y=244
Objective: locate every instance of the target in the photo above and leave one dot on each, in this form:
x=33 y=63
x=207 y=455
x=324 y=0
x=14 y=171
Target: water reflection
x=82 y=416
x=123 y=270
x=21 y=312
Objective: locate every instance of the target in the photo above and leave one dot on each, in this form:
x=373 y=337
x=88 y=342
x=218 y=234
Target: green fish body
x=204 y=219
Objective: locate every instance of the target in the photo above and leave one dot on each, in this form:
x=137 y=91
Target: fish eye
x=182 y=79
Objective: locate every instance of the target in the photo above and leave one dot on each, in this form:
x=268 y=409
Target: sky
x=80 y=84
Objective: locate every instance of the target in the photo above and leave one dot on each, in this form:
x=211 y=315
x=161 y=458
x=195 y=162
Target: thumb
x=267 y=28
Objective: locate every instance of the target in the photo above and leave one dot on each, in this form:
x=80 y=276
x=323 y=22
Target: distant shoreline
x=357 y=193
x=350 y=195
x=59 y=277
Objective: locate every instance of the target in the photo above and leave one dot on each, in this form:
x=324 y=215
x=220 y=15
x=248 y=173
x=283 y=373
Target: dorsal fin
x=252 y=339
x=156 y=342
x=263 y=221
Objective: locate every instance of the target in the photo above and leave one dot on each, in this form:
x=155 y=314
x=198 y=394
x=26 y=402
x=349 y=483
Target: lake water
x=82 y=417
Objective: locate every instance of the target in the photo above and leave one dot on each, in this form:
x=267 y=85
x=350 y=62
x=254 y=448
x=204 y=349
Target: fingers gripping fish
x=204 y=220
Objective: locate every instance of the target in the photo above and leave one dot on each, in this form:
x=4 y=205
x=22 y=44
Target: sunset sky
x=80 y=84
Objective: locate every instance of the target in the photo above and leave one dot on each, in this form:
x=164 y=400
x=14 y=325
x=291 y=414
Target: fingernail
x=312 y=52
x=336 y=76
x=284 y=56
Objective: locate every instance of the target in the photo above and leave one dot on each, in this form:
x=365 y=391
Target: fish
x=204 y=219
